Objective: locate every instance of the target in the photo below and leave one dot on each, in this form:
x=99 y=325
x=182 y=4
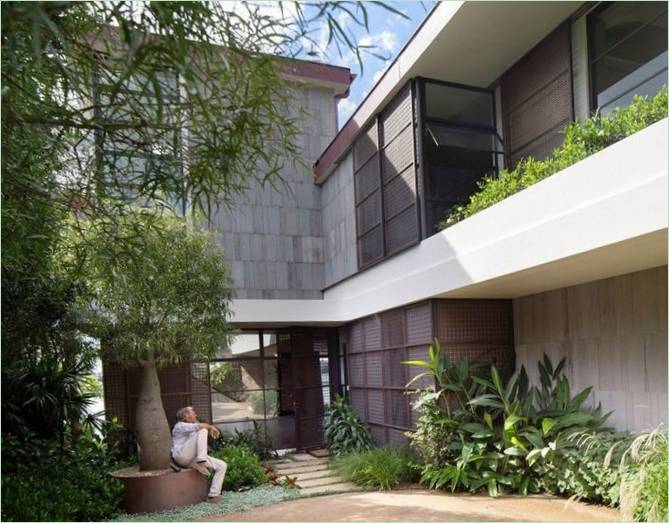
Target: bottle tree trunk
x=153 y=431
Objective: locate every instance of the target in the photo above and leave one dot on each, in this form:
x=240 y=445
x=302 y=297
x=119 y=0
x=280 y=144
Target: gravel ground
x=231 y=502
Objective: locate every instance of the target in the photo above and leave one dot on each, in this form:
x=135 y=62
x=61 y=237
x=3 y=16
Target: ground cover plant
x=379 y=468
x=231 y=502
x=581 y=139
x=343 y=430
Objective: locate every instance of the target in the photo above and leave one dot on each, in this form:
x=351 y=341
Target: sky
x=388 y=32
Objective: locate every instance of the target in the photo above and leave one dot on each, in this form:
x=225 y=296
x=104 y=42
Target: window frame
x=592 y=59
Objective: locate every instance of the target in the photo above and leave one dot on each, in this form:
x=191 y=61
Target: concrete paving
x=425 y=505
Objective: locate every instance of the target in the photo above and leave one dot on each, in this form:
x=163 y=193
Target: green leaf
x=487 y=418
x=533 y=456
x=547 y=424
x=486 y=400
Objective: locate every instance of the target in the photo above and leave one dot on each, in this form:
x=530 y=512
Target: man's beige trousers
x=195 y=449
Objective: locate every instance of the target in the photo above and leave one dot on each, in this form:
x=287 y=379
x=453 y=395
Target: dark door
x=310 y=382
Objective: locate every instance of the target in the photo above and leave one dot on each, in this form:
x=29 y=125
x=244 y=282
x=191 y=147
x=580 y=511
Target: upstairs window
x=460 y=146
x=628 y=52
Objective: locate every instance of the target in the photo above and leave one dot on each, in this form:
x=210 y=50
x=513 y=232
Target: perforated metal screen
x=481 y=330
x=180 y=386
x=537 y=98
x=385 y=182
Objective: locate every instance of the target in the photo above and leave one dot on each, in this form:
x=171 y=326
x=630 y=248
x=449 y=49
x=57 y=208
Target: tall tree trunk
x=153 y=431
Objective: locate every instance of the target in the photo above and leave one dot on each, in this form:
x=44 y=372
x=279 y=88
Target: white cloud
x=345 y=107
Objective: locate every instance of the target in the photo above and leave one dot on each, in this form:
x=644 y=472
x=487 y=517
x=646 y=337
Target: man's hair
x=182 y=412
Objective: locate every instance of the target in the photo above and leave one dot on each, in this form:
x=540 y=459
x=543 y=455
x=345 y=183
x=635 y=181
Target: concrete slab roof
x=465 y=42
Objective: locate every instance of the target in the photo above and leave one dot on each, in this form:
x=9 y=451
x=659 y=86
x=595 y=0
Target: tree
x=169 y=305
x=106 y=105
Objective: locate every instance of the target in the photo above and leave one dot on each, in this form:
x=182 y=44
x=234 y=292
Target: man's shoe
x=201 y=467
x=213 y=499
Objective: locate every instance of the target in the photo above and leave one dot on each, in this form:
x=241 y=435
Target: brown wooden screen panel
x=481 y=330
x=181 y=385
x=385 y=185
x=398 y=174
x=368 y=196
x=537 y=97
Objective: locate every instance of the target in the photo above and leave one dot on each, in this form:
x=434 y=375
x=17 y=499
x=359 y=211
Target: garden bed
x=231 y=502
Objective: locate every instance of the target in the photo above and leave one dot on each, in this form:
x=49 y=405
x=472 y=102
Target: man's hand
x=215 y=433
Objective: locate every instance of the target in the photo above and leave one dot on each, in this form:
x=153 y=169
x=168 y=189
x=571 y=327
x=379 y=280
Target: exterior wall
x=338 y=223
x=272 y=237
x=613 y=333
x=579 y=68
x=480 y=330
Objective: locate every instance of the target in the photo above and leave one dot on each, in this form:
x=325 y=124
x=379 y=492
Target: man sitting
x=189 y=449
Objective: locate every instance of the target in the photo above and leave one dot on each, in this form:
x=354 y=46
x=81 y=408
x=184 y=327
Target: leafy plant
x=42 y=481
x=475 y=430
x=45 y=397
x=289 y=482
x=382 y=468
x=343 y=431
x=581 y=140
x=244 y=469
x=585 y=470
x=253 y=439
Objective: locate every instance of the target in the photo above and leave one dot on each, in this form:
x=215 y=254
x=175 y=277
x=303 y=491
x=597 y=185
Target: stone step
x=304 y=457
x=315 y=475
x=301 y=470
x=319 y=482
x=329 y=489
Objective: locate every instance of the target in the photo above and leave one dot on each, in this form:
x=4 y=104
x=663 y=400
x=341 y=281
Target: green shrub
x=588 y=470
x=581 y=140
x=244 y=468
x=382 y=468
x=476 y=431
x=343 y=430
x=42 y=482
x=254 y=439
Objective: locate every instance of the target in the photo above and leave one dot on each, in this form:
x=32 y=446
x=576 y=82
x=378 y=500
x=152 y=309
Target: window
x=628 y=51
x=135 y=144
x=460 y=146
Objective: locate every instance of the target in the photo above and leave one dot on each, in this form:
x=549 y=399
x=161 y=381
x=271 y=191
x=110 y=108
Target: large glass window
x=460 y=146
x=148 y=155
x=628 y=51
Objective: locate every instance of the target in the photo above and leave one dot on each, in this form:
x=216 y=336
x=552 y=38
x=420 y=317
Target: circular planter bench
x=155 y=490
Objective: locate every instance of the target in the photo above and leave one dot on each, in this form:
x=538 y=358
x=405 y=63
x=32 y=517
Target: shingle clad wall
x=338 y=217
x=273 y=238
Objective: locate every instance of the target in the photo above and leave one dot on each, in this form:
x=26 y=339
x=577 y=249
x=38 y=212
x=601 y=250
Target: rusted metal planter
x=155 y=490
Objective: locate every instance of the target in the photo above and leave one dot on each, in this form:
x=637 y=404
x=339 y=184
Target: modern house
x=345 y=273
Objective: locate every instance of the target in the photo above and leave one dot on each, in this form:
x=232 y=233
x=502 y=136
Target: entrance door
x=306 y=360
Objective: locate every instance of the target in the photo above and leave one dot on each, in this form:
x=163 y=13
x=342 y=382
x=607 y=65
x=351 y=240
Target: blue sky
x=388 y=32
